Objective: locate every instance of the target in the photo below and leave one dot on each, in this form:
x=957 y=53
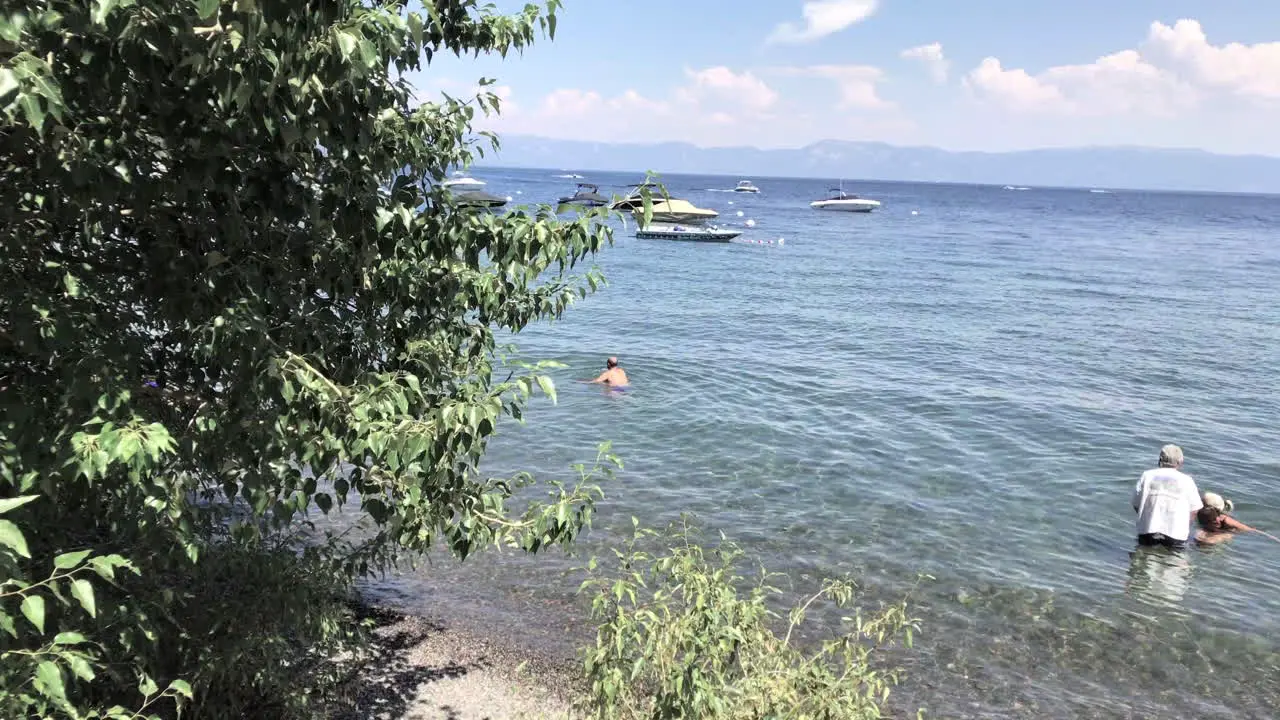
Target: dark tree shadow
x=387 y=682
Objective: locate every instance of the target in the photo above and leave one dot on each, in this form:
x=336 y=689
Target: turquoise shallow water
x=967 y=384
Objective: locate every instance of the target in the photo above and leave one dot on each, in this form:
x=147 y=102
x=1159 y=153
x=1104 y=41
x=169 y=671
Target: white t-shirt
x=1165 y=499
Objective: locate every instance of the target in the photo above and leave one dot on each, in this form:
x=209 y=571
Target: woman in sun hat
x=1215 y=523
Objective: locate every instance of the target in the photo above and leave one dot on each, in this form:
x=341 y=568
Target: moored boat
x=838 y=199
x=479 y=198
x=667 y=231
x=587 y=195
x=461 y=179
x=675 y=210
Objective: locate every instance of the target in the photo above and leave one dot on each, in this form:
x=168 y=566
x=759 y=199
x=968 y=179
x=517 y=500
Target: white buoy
x=730 y=202
x=781 y=241
x=509 y=198
x=519 y=192
x=751 y=222
x=915 y=212
x=740 y=213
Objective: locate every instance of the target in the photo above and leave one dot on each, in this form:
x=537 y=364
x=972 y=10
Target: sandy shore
x=422 y=669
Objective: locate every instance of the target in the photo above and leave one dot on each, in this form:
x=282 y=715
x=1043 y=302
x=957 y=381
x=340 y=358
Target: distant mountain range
x=1093 y=167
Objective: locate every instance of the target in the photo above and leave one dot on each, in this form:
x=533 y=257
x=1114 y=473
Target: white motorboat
x=838 y=199
x=461 y=179
x=667 y=231
x=745 y=186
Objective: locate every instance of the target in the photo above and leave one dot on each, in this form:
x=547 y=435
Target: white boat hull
x=860 y=205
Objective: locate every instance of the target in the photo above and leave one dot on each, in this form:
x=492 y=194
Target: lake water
x=966 y=383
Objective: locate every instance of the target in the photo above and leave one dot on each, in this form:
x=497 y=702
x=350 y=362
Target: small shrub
x=683 y=634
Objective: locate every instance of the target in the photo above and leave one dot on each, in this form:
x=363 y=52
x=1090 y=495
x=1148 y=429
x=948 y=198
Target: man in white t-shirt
x=1166 y=500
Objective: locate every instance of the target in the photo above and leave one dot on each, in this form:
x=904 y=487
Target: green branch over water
x=235 y=295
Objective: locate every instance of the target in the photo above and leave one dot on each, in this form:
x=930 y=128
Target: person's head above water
x=1217 y=502
x=611 y=363
x=1171 y=456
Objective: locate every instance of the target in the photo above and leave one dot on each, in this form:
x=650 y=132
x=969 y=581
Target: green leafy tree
x=234 y=295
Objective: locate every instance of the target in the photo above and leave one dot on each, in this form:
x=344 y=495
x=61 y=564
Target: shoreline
x=428 y=667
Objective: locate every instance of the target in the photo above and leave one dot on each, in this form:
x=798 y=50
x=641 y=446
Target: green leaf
x=105 y=565
x=68 y=638
x=368 y=53
x=33 y=110
x=8 y=504
x=66 y=561
x=12 y=537
x=80 y=667
x=49 y=681
x=146 y=685
x=205 y=8
x=346 y=43
x=82 y=590
x=181 y=687
x=72 y=284
x=548 y=386
x=6 y=624
x=324 y=502
x=33 y=610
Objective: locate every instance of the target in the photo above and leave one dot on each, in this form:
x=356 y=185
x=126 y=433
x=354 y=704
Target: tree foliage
x=683 y=634
x=235 y=295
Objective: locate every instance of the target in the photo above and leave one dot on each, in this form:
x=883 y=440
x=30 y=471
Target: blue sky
x=987 y=74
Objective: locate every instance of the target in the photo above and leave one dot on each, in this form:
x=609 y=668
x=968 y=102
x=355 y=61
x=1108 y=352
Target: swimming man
x=613 y=376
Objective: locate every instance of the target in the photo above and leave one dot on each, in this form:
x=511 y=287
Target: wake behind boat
x=838 y=199
x=668 y=231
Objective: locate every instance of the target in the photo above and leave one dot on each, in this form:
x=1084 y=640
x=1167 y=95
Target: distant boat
x=570 y=176
x=1101 y=192
x=479 y=198
x=838 y=199
x=588 y=195
x=664 y=231
x=745 y=186
x=461 y=179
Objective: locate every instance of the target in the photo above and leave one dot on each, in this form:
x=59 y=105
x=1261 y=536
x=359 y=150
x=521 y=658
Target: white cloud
x=722 y=85
x=823 y=18
x=932 y=58
x=1015 y=89
x=1173 y=70
x=1245 y=70
x=857 y=84
x=719 y=106
x=570 y=102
